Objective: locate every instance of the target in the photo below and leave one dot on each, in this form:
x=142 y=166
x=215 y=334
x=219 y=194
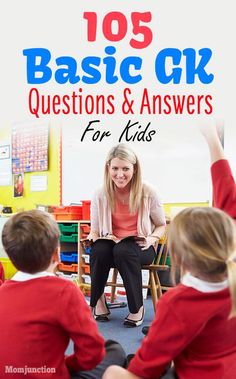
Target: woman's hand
x=145 y=242
x=93 y=236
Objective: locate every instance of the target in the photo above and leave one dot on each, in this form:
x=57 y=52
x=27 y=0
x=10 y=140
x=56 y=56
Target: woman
x=124 y=207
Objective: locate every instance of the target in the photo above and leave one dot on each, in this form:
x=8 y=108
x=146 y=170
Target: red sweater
x=38 y=317
x=224 y=187
x=192 y=329
x=2 y=276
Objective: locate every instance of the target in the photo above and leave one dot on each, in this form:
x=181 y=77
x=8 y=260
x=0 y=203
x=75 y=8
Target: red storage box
x=85 y=228
x=86 y=209
x=71 y=212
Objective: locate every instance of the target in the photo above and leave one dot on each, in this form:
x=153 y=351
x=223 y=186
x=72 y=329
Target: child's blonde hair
x=124 y=152
x=203 y=242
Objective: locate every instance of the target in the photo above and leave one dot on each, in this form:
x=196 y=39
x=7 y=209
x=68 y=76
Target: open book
x=88 y=243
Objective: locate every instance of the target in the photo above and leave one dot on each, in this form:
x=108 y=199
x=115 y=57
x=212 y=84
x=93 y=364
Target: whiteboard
x=176 y=162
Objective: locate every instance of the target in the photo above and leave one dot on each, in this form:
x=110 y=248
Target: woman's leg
x=101 y=260
x=129 y=258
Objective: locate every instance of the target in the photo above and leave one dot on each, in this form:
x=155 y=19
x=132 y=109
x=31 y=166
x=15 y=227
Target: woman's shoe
x=104 y=316
x=132 y=323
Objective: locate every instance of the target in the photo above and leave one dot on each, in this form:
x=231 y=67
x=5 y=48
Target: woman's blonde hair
x=124 y=152
x=203 y=241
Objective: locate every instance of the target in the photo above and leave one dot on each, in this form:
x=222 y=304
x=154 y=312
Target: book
x=89 y=242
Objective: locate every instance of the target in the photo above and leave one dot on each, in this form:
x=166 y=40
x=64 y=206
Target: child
x=195 y=323
x=224 y=186
x=40 y=313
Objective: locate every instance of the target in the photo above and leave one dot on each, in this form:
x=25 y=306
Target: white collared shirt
x=22 y=276
x=201 y=285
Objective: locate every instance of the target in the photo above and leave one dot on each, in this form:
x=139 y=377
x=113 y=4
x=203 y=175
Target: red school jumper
x=2 y=275
x=38 y=317
x=192 y=329
x=224 y=187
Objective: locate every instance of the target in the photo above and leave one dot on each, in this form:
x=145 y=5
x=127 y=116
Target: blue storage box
x=69 y=256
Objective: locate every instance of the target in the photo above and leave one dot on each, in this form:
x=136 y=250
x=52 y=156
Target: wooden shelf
x=76 y=247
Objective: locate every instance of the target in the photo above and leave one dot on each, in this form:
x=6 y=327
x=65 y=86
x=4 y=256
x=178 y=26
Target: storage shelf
x=73 y=264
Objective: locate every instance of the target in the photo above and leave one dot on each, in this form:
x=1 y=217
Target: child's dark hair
x=202 y=241
x=30 y=238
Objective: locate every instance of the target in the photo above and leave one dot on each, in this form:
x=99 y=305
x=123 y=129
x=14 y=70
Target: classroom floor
x=129 y=338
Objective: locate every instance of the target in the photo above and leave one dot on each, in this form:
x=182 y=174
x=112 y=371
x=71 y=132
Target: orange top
x=124 y=223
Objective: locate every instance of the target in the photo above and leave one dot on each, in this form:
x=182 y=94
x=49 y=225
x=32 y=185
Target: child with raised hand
x=224 y=186
x=40 y=313
x=195 y=323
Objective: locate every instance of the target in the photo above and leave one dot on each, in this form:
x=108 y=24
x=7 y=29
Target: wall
x=177 y=164
x=30 y=199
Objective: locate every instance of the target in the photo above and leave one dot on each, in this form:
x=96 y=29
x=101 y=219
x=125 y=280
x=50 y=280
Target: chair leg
x=153 y=289
x=113 y=288
x=158 y=284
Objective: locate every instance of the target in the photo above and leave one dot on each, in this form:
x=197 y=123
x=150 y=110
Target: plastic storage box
x=71 y=212
x=86 y=209
x=87 y=278
x=65 y=267
x=86 y=268
x=67 y=275
x=68 y=228
x=69 y=237
x=9 y=268
x=69 y=256
x=86 y=258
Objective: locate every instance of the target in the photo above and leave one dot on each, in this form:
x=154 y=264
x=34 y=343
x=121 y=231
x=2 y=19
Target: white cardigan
x=150 y=215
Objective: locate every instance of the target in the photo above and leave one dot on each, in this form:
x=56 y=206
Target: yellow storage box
x=9 y=268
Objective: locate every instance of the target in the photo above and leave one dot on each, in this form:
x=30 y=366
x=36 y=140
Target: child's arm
x=116 y=372
x=224 y=186
x=211 y=134
x=78 y=323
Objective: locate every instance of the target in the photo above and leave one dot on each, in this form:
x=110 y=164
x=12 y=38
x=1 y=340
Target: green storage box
x=69 y=237
x=68 y=228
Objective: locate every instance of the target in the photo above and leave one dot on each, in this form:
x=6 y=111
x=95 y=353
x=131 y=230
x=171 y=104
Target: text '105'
x=115 y=27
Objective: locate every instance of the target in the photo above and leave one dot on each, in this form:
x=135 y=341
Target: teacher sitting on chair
x=127 y=220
